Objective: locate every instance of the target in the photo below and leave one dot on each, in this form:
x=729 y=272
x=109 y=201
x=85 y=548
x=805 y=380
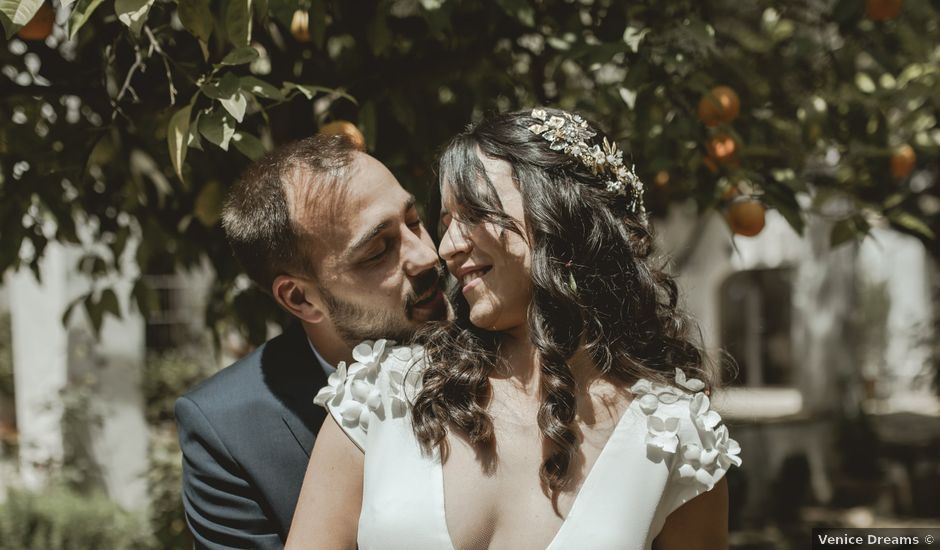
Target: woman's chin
x=482 y=315
x=492 y=321
x=481 y=320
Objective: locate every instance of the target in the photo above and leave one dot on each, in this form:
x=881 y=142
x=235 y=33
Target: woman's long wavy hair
x=594 y=284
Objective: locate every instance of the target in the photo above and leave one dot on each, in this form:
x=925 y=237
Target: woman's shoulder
x=684 y=430
x=382 y=380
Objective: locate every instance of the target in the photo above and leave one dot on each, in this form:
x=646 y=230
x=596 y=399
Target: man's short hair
x=257 y=217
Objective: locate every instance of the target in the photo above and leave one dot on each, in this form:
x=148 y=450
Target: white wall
x=50 y=358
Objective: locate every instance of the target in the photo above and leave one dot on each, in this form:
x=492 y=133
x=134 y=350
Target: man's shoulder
x=247 y=382
x=231 y=381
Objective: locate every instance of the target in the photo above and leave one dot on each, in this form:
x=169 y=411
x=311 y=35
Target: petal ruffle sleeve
x=376 y=386
x=683 y=430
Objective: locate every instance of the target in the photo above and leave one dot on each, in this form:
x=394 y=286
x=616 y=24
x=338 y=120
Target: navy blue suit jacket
x=246 y=435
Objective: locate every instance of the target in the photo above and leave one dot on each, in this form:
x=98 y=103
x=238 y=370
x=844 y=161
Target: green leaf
x=849 y=229
x=748 y=39
x=378 y=35
x=192 y=138
x=71 y=307
x=120 y=243
x=238 y=22
x=218 y=128
x=208 y=206
x=80 y=15
x=240 y=56
x=109 y=303
x=912 y=222
x=310 y=91
x=261 y=10
x=95 y=313
x=248 y=145
x=196 y=17
x=519 y=9
x=145 y=297
x=557 y=43
x=141 y=164
x=236 y=105
x=783 y=198
x=842 y=232
x=92 y=264
x=633 y=36
x=367 y=121
x=894 y=201
x=226 y=90
x=177 y=137
x=221 y=88
x=16 y=13
x=133 y=13
x=260 y=88
x=864 y=83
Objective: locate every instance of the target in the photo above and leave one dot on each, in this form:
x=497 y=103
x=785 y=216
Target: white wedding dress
x=667 y=448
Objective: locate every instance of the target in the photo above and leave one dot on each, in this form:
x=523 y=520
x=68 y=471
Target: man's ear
x=299 y=297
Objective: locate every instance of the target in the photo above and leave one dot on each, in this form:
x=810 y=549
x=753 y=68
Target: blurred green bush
x=167 y=376
x=74 y=513
x=63 y=519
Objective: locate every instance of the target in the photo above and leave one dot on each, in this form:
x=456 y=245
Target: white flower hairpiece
x=570 y=133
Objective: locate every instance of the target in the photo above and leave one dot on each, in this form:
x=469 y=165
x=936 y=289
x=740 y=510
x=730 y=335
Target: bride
x=564 y=404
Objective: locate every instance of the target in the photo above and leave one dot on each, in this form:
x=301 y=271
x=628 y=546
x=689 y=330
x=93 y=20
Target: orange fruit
x=662 y=178
x=300 y=26
x=721 y=148
x=345 y=127
x=902 y=161
x=721 y=104
x=882 y=10
x=746 y=217
x=40 y=26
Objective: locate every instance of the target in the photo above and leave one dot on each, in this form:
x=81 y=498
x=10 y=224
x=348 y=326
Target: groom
x=328 y=231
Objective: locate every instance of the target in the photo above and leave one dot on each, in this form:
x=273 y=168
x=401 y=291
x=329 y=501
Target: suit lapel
x=295 y=378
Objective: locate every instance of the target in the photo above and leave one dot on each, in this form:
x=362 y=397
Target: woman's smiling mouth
x=471 y=277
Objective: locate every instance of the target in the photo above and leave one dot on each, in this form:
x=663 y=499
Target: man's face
x=378 y=274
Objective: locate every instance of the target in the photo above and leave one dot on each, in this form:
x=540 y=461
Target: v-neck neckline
x=440 y=494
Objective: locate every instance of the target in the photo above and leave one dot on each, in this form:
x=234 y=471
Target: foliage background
x=128 y=123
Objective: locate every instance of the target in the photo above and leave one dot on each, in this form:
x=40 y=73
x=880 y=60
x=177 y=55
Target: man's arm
x=221 y=507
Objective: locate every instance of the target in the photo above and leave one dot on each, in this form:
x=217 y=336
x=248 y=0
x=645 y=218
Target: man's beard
x=355 y=323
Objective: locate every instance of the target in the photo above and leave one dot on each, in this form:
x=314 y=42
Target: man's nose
x=419 y=255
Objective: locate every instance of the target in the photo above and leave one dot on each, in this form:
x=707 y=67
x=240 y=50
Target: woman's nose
x=455 y=241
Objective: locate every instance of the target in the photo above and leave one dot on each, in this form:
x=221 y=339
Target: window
x=756 y=312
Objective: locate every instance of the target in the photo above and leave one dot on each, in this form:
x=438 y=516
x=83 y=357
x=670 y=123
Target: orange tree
x=126 y=120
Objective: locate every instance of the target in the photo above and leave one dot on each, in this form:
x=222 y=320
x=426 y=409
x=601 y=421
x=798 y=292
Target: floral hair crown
x=570 y=133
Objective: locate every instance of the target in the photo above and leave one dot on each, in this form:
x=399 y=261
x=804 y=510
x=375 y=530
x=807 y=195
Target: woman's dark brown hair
x=594 y=285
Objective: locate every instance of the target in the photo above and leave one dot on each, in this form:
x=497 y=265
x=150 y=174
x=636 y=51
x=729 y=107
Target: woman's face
x=492 y=266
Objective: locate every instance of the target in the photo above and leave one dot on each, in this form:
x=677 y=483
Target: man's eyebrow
x=362 y=241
